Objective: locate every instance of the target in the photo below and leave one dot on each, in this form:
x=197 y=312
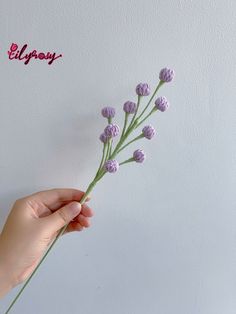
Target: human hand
x=32 y=224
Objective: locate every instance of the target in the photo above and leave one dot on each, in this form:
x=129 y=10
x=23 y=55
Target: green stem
x=133 y=140
x=108 y=149
x=148 y=115
x=102 y=160
x=126 y=161
x=154 y=93
x=125 y=124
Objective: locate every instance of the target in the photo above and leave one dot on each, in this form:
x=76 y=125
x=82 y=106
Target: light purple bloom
x=139 y=155
x=108 y=112
x=111 y=130
x=142 y=89
x=111 y=165
x=148 y=131
x=162 y=103
x=103 y=138
x=166 y=75
x=130 y=107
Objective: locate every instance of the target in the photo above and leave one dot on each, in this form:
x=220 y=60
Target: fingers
x=82 y=220
x=87 y=211
x=55 y=198
x=61 y=217
x=74 y=226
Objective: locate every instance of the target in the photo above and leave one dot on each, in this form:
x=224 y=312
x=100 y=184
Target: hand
x=32 y=225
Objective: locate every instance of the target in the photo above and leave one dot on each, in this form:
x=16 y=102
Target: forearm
x=6 y=282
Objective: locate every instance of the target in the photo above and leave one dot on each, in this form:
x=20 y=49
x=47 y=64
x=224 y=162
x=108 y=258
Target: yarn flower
x=166 y=75
x=162 y=103
x=139 y=155
x=111 y=165
x=129 y=107
x=111 y=130
x=148 y=131
x=103 y=138
x=142 y=89
x=108 y=112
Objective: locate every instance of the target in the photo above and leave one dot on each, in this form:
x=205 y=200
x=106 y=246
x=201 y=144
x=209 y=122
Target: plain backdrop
x=162 y=240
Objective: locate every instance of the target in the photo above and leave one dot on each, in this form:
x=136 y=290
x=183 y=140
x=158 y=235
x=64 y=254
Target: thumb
x=62 y=216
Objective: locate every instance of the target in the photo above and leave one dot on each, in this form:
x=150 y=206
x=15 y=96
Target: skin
x=33 y=223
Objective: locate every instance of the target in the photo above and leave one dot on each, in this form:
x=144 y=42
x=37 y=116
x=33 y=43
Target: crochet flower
x=111 y=130
x=148 y=131
x=139 y=155
x=142 y=89
x=111 y=165
x=103 y=138
x=108 y=112
x=129 y=107
x=162 y=103
x=166 y=75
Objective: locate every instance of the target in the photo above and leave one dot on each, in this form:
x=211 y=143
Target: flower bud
x=139 y=155
x=148 y=131
x=162 y=103
x=108 y=112
x=129 y=107
x=166 y=75
x=111 y=165
x=111 y=130
x=142 y=89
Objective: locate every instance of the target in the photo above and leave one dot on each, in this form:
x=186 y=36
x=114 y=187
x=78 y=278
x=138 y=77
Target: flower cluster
x=109 y=163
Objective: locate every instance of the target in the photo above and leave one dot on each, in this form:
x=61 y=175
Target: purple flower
x=111 y=165
x=166 y=75
x=139 y=155
x=142 y=89
x=108 y=112
x=162 y=103
x=111 y=130
x=130 y=107
x=103 y=138
x=148 y=131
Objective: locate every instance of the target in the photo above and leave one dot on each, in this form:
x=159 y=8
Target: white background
x=163 y=236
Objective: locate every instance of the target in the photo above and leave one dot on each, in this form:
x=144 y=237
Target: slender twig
x=154 y=93
x=126 y=161
x=125 y=124
x=133 y=140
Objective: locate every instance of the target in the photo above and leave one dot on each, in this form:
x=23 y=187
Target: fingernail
x=75 y=207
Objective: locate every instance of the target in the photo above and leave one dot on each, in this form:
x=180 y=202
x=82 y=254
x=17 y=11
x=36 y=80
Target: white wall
x=163 y=236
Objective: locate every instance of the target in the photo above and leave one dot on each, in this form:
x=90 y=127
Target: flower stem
x=126 y=161
x=102 y=160
x=148 y=115
x=154 y=93
x=133 y=140
x=125 y=123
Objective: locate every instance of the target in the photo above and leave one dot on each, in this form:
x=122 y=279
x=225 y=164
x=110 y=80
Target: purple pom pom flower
x=139 y=155
x=129 y=107
x=148 y=131
x=162 y=103
x=111 y=130
x=103 y=138
x=108 y=112
x=166 y=75
x=142 y=89
x=111 y=165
